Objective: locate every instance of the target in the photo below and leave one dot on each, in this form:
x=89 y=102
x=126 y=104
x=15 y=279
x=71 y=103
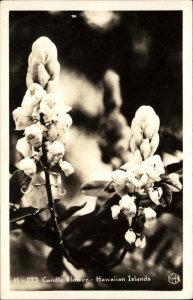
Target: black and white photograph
x=96 y=149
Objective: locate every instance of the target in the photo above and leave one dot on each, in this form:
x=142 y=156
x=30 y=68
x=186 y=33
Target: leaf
x=109 y=188
x=166 y=198
x=174 y=168
x=18 y=180
x=173 y=181
x=104 y=213
x=55 y=262
x=94 y=188
x=69 y=212
x=21 y=213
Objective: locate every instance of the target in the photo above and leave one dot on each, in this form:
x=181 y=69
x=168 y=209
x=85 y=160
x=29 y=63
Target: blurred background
x=144 y=49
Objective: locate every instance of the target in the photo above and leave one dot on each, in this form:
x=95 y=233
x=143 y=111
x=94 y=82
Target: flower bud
x=133 y=145
x=44 y=49
x=67 y=168
x=22 y=120
x=43 y=76
x=52 y=133
x=128 y=205
x=155 y=194
x=28 y=165
x=149 y=213
x=24 y=147
x=144 y=112
x=55 y=153
x=64 y=121
x=33 y=134
x=137 y=176
x=46 y=107
x=32 y=97
x=149 y=130
x=156 y=123
x=145 y=148
x=154 y=143
x=130 y=236
x=140 y=242
x=137 y=157
x=63 y=136
x=154 y=167
x=115 y=210
x=119 y=177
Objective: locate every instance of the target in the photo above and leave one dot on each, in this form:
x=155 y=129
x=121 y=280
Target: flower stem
x=51 y=202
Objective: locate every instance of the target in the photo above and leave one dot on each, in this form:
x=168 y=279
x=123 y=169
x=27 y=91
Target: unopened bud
x=149 y=130
x=137 y=157
x=115 y=210
x=133 y=145
x=154 y=143
x=140 y=242
x=145 y=148
x=149 y=213
x=67 y=168
x=119 y=177
x=130 y=236
x=24 y=147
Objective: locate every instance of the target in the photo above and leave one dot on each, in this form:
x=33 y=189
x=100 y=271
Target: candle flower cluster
x=141 y=175
x=141 y=186
x=42 y=115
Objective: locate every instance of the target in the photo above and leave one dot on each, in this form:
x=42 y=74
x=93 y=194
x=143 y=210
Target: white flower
x=115 y=210
x=140 y=242
x=28 y=165
x=32 y=98
x=119 y=177
x=155 y=194
x=154 y=167
x=63 y=136
x=64 y=121
x=33 y=135
x=67 y=168
x=128 y=205
x=24 y=147
x=130 y=236
x=52 y=133
x=21 y=118
x=46 y=107
x=149 y=213
x=55 y=153
x=137 y=176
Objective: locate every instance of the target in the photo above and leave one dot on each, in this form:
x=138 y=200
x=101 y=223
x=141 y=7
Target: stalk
x=51 y=203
